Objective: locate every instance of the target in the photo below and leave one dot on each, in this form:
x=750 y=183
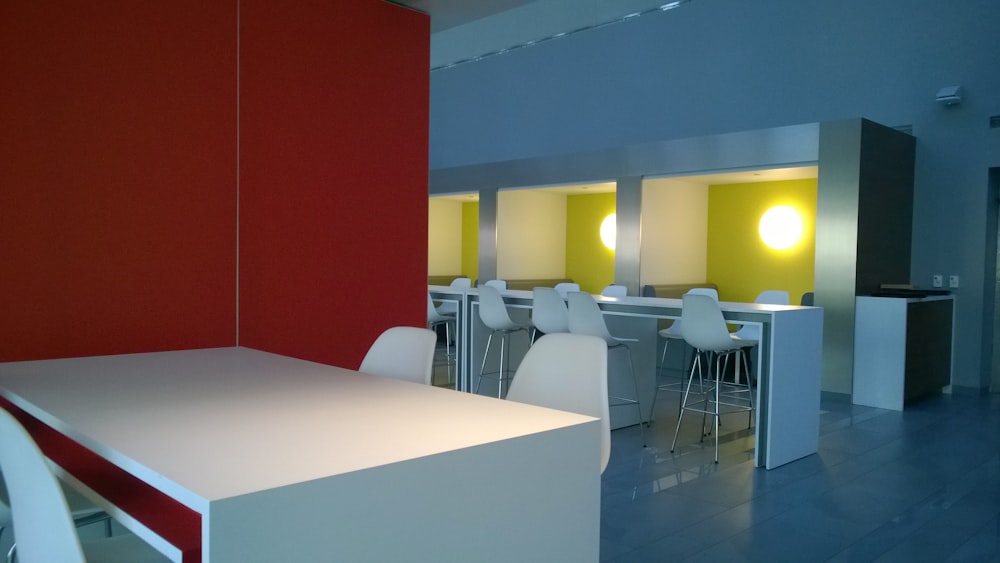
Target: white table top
x=651 y=302
x=205 y=425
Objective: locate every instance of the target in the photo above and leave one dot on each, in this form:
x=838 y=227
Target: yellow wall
x=470 y=240
x=588 y=262
x=738 y=261
x=444 y=236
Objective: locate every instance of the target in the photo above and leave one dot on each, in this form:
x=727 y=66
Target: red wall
x=117 y=176
x=333 y=175
x=119 y=152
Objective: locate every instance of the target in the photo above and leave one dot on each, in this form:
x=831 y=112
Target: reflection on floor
x=918 y=485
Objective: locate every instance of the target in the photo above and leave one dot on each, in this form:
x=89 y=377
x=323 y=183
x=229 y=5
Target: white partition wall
x=531 y=234
x=674 y=231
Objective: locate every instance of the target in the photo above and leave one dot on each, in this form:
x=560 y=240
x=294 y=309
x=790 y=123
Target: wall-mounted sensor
x=949 y=95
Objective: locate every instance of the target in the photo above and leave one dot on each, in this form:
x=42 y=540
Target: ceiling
x=450 y=13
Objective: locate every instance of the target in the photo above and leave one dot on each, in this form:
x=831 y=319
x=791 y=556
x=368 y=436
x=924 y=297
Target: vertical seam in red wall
x=237 y=304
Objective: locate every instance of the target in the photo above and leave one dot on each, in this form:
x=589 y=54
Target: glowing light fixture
x=780 y=227
x=608 y=231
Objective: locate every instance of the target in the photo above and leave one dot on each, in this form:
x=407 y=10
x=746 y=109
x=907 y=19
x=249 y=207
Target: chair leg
x=659 y=375
x=635 y=388
x=746 y=371
x=504 y=344
x=687 y=391
x=482 y=368
x=718 y=387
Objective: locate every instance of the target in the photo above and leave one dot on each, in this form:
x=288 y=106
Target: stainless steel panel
x=487 y=233
x=628 y=210
x=836 y=248
x=778 y=147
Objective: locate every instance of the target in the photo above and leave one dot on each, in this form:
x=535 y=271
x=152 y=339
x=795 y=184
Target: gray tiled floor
x=920 y=485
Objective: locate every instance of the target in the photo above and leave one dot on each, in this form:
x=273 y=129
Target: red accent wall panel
x=117 y=176
x=333 y=175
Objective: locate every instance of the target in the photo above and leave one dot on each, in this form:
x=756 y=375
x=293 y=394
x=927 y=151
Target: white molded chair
x=673 y=333
x=567 y=372
x=705 y=330
x=548 y=312
x=585 y=317
x=493 y=313
x=402 y=352
x=81 y=510
x=565 y=288
x=461 y=284
x=750 y=334
x=769 y=297
x=435 y=319
x=44 y=528
x=615 y=290
x=499 y=285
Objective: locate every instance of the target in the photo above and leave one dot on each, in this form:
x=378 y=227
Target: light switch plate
x=952 y=281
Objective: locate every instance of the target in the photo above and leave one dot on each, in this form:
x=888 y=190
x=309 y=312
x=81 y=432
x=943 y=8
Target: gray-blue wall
x=718 y=66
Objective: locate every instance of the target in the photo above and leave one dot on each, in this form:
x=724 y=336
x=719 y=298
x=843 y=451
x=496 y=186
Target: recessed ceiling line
x=533 y=42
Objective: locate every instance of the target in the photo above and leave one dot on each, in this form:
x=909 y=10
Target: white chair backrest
x=402 y=352
x=585 y=317
x=567 y=372
x=45 y=529
x=773 y=297
x=704 y=325
x=675 y=328
x=564 y=288
x=770 y=297
x=432 y=312
x=492 y=309
x=614 y=290
x=498 y=284
x=548 y=312
x=461 y=283
x=709 y=291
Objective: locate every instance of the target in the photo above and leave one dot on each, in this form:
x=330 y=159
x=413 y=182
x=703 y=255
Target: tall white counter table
x=902 y=349
x=271 y=458
x=789 y=359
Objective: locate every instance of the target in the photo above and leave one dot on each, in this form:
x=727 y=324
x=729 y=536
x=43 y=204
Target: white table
x=789 y=360
x=278 y=459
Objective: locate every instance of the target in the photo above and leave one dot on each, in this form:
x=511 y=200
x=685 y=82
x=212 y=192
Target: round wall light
x=608 y=231
x=780 y=227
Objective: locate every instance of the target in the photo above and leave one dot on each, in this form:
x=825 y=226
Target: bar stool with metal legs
x=749 y=335
x=493 y=313
x=548 y=312
x=585 y=317
x=435 y=319
x=705 y=330
x=674 y=333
